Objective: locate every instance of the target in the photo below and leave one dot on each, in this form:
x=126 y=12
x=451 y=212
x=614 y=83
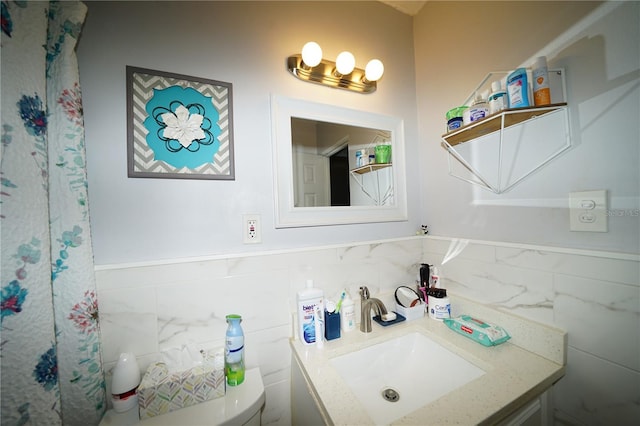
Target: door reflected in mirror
x=328 y=160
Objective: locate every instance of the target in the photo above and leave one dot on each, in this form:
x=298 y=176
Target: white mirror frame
x=288 y=216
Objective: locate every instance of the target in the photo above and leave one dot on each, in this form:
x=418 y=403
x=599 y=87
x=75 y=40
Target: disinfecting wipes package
x=482 y=332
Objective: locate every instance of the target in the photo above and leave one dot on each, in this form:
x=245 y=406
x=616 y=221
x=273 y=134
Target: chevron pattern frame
x=178 y=126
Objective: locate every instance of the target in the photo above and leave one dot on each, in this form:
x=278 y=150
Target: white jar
x=477 y=111
x=439 y=304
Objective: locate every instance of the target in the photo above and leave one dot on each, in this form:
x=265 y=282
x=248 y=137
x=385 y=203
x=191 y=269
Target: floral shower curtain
x=51 y=366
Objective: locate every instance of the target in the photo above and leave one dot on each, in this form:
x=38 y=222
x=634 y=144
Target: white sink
x=413 y=366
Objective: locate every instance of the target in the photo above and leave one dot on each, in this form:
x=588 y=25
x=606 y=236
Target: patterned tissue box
x=161 y=392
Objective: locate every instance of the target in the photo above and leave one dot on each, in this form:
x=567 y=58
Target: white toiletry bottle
x=540 y=75
x=348 y=314
x=436 y=277
x=124 y=383
x=307 y=300
x=498 y=98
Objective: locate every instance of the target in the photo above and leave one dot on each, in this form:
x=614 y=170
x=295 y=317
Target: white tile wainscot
x=514 y=375
x=594 y=296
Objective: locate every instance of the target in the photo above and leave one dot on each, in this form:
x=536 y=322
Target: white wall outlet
x=588 y=211
x=251 y=229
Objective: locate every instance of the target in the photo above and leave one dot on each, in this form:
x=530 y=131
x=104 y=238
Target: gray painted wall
x=148 y=219
x=600 y=52
x=245 y=43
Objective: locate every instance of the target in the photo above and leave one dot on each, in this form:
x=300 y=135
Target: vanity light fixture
x=343 y=74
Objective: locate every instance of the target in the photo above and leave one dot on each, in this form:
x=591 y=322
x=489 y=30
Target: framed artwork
x=178 y=127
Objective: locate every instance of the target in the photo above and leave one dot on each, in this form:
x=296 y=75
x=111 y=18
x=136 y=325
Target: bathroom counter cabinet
x=517 y=376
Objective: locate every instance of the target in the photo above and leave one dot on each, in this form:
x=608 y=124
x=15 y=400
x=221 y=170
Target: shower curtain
x=51 y=366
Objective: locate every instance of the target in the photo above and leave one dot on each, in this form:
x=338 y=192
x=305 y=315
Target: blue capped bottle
x=234 y=351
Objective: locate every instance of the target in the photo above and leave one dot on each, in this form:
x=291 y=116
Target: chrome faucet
x=366 y=304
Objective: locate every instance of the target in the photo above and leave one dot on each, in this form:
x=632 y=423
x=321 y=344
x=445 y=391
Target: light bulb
x=345 y=63
x=374 y=70
x=311 y=54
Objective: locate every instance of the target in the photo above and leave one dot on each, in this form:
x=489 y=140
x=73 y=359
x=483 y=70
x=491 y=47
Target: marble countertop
x=514 y=375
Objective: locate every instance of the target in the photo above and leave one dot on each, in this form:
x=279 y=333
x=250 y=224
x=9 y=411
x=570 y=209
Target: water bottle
x=234 y=351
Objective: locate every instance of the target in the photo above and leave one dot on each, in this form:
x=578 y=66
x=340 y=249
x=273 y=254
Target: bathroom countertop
x=514 y=375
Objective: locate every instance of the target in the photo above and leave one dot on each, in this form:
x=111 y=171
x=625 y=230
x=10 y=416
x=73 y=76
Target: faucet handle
x=364 y=293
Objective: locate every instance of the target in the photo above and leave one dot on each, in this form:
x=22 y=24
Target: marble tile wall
x=145 y=309
x=594 y=296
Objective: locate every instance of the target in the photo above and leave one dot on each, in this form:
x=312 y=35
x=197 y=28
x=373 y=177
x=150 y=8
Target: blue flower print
x=46 y=371
x=32 y=114
x=182 y=126
x=70 y=239
x=7 y=23
x=13 y=296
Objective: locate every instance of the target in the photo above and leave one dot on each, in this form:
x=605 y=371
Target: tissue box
x=161 y=392
x=411 y=313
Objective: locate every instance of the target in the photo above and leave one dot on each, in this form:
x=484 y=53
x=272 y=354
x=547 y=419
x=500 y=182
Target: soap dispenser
x=348 y=313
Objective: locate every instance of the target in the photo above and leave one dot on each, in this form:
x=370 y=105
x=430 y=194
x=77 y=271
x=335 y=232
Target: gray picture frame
x=145 y=86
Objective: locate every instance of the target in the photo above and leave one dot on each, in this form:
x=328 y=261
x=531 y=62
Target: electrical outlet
x=588 y=211
x=252 y=229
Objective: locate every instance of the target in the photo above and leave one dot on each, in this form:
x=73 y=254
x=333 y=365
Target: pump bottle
x=348 y=314
x=307 y=300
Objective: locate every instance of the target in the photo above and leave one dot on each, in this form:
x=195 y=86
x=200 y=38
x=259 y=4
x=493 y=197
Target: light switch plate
x=588 y=211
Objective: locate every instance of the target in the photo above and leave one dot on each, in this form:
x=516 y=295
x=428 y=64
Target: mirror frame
x=288 y=216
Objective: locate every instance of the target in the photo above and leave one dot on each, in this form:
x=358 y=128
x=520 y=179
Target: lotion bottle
x=498 y=98
x=439 y=304
x=348 y=314
x=307 y=300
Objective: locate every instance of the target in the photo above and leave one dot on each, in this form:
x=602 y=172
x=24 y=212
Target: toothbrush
x=340 y=301
x=319 y=327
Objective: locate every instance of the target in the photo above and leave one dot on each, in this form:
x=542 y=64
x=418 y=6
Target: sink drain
x=391 y=395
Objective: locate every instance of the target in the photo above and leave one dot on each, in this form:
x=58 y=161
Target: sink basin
x=396 y=377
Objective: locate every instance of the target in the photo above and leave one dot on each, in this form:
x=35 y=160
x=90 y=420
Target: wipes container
x=478 y=330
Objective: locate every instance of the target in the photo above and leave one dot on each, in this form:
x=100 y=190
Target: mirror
x=328 y=165
x=407 y=297
x=318 y=178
